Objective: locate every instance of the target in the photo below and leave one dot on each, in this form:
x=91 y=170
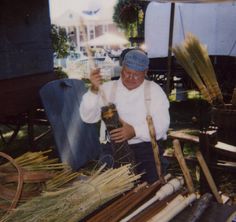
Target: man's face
x=132 y=79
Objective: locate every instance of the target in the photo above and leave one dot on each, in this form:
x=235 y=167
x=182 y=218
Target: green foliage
x=60 y=41
x=60 y=73
x=128 y=15
x=125 y=12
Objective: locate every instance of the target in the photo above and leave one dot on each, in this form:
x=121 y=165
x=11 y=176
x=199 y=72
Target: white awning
x=212 y=23
x=191 y=1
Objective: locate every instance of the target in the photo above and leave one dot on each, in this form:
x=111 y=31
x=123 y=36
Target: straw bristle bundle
x=194 y=58
x=74 y=203
x=184 y=59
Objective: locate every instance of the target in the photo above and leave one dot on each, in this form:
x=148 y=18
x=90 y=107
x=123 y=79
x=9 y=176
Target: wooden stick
x=154 y=209
x=166 y=190
x=118 y=209
x=179 y=156
x=134 y=202
x=90 y=59
x=208 y=176
x=173 y=203
x=155 y=147
x=172 y=210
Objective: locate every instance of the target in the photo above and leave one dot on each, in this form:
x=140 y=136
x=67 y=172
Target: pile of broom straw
x=75 y=202
x=28 y=175
x=193 y=57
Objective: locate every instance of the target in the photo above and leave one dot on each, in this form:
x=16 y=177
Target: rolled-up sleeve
x=90 y=110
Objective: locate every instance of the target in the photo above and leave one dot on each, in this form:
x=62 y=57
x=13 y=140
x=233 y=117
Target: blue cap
x=136 y=60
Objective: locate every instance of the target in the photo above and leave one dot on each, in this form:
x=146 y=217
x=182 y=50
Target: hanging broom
x=185 y=60
x=202 y=62
x=194 y=58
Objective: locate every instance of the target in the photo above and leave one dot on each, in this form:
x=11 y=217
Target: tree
x=60 y=41
x=128 y=15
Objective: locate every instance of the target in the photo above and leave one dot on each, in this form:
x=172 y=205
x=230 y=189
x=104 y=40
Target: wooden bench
x=217 y=155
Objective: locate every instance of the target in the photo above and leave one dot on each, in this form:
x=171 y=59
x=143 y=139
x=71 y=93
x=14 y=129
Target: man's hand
x=123 y=133
x=96 y=80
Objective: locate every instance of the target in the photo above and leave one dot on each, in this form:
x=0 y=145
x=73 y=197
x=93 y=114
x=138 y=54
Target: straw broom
x=203 y=64
x=185 y=60
x=195 y=51
x=194 y=58
x=74 y=203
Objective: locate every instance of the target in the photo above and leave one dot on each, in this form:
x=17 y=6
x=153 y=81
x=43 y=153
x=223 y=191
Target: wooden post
x=171 y=30
x=208 y=176
x=179 y=156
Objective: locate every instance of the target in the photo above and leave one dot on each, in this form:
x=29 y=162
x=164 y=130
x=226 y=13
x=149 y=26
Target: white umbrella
x=108 y=39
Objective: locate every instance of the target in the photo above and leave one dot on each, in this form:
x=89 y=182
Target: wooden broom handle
x=90 y=59
x=155 y=148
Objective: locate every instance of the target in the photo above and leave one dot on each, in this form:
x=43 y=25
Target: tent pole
x=171 y=28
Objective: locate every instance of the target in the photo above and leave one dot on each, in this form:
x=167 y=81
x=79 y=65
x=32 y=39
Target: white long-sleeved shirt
x=131 y=108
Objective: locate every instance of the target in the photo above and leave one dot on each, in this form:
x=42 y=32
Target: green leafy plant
x=60 y=41
x=60 y=73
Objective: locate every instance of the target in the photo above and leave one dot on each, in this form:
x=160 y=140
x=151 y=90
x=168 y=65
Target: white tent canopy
x=212 y=23
x=108 y=39
x=191 y=1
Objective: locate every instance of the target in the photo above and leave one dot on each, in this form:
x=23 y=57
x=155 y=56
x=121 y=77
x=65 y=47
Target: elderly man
x=130 y=94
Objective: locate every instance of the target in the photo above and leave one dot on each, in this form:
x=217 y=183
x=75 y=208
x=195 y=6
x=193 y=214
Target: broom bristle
x=194 y=58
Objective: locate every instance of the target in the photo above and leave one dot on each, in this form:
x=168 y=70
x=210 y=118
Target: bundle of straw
x=194 y=58
x=38 y=173
x=36 y=161
x=74 y=203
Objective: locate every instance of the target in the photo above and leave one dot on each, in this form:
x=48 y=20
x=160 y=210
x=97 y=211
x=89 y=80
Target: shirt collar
x=121 y=86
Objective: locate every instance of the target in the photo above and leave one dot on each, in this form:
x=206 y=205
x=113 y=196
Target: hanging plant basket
x=126 y=12
x=129 y=13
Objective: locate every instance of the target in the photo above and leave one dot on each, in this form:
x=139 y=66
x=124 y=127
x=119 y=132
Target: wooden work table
x=219 y=147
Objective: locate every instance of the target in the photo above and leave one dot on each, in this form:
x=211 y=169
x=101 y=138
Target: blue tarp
x=77 y=142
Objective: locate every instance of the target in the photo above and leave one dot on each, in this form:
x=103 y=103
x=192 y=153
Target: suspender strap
x=147 y=96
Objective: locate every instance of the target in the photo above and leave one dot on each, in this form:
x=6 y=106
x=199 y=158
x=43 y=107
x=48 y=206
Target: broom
x=185 y=60
x=194 y=58
x=203 y=64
